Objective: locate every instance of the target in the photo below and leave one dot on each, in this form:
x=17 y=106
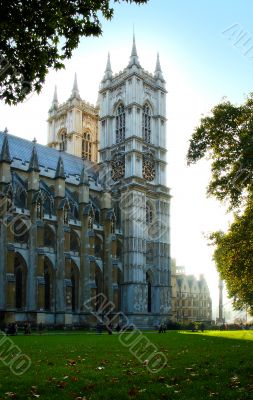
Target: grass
x=200 y=366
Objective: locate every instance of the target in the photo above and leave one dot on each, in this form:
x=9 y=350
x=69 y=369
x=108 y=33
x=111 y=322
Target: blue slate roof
x=21 y=149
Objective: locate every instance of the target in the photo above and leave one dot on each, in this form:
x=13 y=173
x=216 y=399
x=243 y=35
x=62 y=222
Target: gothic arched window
x=97 y=217
x=49 y=237
x=149 y=214
x=47 y=292
x=63 y=141
x=149 y=292
x=20 y=271
x=74 y=287
x=146 y=123
x=74 y=242
x=86 y=146
x=120 y=124
x=21 y=231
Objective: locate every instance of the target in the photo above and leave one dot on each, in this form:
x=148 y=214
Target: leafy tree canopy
x=36 y=35
x=226 y=138
x=234 y=258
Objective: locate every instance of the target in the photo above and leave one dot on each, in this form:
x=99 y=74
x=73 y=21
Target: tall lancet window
x=146 y=123
x=86 y=146
x=120 y=124
x=63 y=141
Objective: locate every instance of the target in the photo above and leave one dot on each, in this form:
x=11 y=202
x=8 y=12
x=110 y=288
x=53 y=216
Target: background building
x=191 y=299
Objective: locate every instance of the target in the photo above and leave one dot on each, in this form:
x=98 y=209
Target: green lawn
x=214 y=364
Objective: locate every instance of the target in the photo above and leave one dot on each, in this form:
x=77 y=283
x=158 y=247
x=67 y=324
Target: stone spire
x=158 y=70
x=5 y=152
x=108 y=70
x=34 y=163
x=55 y=102
x=134 y=60
x=59 y=173
x=75 y=92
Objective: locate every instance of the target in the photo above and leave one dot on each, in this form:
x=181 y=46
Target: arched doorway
x=20 y=272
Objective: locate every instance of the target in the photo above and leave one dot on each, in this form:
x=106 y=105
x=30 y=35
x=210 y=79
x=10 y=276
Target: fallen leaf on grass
x=234 y=382
x=133 y=391
x=89 y=386
x=34 y=392
x=71 y=362
x=114 y=380
x=62 y=384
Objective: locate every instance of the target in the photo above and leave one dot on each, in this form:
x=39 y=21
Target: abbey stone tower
x=98 y=205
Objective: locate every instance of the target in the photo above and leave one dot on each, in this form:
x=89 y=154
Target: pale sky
x=205 y=53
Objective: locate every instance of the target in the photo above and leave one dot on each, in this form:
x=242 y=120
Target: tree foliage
x=234 y=258
x=225 y=137
x=36 y=35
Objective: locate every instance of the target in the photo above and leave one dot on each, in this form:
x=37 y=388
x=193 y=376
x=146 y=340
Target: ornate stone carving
x=148 y=166
x=118 y=167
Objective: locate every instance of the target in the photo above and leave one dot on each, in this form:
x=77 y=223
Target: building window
x=149 y=293
x=113 y=224
x=47 y=292
x=39 y=209
x=20 y=271
x=66 y=215
x=74 y=287
x=21 y=231
x=149 y=214
x=90 y=218
x=49 y=237
x=73 y=283
x=120 y=124
x=146 y=123
x=63 y=141
x=86 y=146
x=74 y=242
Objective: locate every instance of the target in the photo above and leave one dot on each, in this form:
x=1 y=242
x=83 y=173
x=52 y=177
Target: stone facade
x=191 y=299
x=73 y=126
x=88 y=215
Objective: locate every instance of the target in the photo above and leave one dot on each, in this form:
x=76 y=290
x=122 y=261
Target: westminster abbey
x=88 y=214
